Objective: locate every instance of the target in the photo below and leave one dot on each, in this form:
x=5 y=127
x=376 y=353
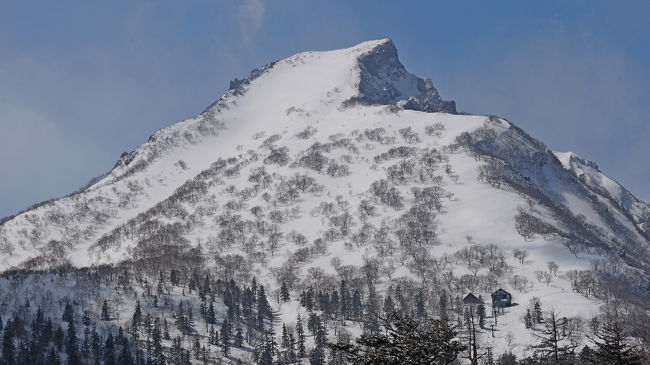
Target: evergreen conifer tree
x=553 y=346
x=85 y=344
x=239 y=337
x=357 y=309
x=72 y=345
x=285 y=337
x=109 y=350
x=8 y=349
x=263 y=306
x=612 y=346
x=269 y=348
x=404 y=341
x=225 y=337
x=344 y=299
x=125 y=357
x=284 y=292
x=528 y=319
x=95 y=345
x=538 y=316
x=300 y=331
x=137 y=318
x=210 y=315
x=59 y=337
x=68 y=314
x=196 y=348
x=389 y=307
x=53 y=357
x=156 y=343
x=106 y=312
x=85 y=319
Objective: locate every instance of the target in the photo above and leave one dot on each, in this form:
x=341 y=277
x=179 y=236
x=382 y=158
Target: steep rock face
x=384 y=80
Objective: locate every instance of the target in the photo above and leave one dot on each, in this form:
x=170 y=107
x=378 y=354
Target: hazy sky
x=82 y=81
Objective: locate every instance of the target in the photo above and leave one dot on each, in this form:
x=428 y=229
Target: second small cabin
x=501 y=298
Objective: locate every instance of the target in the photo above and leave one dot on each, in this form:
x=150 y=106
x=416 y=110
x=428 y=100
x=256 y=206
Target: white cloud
x=250 y=18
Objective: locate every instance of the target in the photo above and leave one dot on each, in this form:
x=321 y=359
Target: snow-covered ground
x=317 y=94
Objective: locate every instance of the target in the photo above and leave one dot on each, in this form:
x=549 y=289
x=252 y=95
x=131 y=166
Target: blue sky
x=81 y=81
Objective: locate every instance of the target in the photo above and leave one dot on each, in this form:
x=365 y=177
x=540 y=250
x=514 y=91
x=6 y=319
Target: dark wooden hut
x=501 y=298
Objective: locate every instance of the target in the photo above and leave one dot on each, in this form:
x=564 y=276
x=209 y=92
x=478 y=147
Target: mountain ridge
x=341 y=166
x=380 y=75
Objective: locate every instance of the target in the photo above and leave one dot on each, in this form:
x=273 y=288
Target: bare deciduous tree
x=520 y=255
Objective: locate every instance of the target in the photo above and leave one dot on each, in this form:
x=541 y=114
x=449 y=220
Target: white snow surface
x=309 y=90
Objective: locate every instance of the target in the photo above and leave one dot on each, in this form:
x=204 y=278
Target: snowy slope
x=223 y=180
x=143 y=177
x=599 y=183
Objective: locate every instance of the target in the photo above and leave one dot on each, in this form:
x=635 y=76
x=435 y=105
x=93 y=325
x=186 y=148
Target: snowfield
x=337 y=122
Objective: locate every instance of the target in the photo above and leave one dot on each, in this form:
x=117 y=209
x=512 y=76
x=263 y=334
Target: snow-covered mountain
x=317 y=167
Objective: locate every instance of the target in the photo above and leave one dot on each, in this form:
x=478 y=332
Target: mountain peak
x=384 y=45
x=368 y=73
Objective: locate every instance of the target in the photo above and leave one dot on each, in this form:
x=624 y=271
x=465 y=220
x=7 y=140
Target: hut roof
x=471 y=299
